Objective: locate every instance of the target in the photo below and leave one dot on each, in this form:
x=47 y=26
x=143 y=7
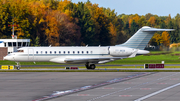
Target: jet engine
x=121 y=51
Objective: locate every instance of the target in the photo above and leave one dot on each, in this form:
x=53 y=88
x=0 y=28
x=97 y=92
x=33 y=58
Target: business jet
x=88 y=55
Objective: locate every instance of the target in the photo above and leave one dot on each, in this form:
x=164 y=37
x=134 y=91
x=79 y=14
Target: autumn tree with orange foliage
x=165 y=39
x=62 y=22
x=19 y=16
x=61 y=30
x=135 y=19
x=152 y=21
x=69 y=32
x=156 y=40
x=52 y=30
x=113 y=33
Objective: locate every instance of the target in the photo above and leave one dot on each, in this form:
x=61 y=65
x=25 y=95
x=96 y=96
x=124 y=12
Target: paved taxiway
x=27 y=86
x=164 y=86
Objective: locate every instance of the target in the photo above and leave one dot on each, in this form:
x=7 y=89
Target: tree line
x=64 y=23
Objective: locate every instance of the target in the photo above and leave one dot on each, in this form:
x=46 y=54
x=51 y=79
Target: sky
x=140 y=7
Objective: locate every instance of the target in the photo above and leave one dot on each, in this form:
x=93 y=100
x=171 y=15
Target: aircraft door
x=31 y=54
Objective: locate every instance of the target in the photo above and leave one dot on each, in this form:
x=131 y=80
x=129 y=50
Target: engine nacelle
x=121 y=51
x=58 y=60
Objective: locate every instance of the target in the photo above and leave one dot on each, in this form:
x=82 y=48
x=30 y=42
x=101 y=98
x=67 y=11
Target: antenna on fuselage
x=49 y=45
x=87 y=45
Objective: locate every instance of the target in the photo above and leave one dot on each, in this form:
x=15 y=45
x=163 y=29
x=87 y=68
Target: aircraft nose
x=8 y=57
x=5 y=58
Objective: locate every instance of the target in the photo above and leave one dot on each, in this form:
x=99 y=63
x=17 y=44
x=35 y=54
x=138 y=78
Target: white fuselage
x=60 y=54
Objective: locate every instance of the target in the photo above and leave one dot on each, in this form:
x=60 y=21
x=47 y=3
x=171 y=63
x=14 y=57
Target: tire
x=92 y=66
x=87 y=66
x=18 y=67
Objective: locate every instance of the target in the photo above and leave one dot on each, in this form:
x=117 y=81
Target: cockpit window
x=20 y=50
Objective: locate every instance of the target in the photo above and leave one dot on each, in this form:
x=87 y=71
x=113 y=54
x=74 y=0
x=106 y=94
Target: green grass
x=153 y=57
x=5 y=62
x=170 y=58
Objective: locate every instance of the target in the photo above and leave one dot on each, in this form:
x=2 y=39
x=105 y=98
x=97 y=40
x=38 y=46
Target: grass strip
x=90 y=70
x=100 y=67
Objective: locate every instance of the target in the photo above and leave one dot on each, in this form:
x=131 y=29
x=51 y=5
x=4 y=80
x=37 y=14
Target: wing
x=93 y=60
x=85 y=60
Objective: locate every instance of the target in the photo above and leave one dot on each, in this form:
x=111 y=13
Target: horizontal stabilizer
x=155 y=30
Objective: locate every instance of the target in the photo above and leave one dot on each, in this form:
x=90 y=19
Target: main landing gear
x=18 y=65
x=90 y=66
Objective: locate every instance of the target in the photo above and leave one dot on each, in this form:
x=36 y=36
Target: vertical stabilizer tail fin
x=141 y=38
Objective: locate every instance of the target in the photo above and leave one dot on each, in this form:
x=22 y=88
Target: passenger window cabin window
x=91 y=52
x=54 y=52
x=36 y=52
x=59 y=52
x=50 y=52
x=68 y=52
x=64 y=52
x=87 y=52
x=41 y=52
x=78 y=52
x=82 y=52
x=46 y=52
x=73 y=52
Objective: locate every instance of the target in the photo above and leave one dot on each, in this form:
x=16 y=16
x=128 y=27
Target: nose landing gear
x=18 y=66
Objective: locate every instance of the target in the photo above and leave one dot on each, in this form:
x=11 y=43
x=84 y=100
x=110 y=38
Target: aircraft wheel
x=18 y=67
x=87 y=66
x=92 y=66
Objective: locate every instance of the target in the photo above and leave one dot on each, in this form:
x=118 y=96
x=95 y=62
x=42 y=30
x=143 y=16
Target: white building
x=14 y=44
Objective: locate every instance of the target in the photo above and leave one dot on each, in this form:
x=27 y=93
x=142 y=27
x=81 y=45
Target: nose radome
x=5 y=58
x=8 y=58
